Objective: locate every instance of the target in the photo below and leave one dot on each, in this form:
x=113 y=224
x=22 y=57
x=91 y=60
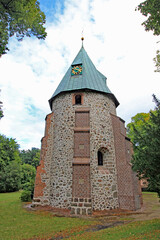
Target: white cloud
x=115 y=41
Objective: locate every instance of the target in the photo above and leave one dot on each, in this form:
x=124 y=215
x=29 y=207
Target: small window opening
x=100 y=159
x=78 y=99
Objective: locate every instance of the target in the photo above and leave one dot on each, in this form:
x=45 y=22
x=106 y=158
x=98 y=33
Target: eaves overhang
x=84 y=89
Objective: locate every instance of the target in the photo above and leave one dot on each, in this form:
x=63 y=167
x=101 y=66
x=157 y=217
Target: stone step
x=81 y=211
x=86 y=200
x=81 y=204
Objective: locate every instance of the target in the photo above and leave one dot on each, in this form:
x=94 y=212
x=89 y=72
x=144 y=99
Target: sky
x=114 y=39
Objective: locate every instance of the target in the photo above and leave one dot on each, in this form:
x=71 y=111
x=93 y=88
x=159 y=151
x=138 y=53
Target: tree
x=1 y=111
x=137 y=122
x=12 y=177
x=157 y=61
x=17 y=169
x=146 y=142
x=28 y=174
x=20 y=18
x=8 y=151
x=151 y=9
x=30 y=160
x=31 y=157
x=10 y=165
x=36 y=159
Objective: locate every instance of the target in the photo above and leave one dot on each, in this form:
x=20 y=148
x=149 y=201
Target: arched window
x=100 y=158
x=78 y=99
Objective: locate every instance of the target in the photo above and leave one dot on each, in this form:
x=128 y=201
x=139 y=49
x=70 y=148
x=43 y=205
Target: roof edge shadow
x=83 y=89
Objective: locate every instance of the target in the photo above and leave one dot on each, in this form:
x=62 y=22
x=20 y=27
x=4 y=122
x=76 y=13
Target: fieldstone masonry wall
x=68 y=166
x=103 y=178
x=62 y=158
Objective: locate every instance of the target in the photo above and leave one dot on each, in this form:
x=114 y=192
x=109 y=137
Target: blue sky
x=52 y=8
x=115 y=41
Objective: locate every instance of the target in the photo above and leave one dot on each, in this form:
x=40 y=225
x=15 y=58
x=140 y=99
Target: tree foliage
x=30 y=160
x=137 y=122
x=1 y=111
x=27 y=181
x=145 y=134
x=20 y=18
x=157 y=61
x=8 y=151
x=28 y=173
x=31 y=157
x=11 y=177
x=151 y=9
x=17 y=168
x=10 y=165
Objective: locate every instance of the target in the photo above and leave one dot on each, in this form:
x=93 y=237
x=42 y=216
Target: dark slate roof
x=90 y=79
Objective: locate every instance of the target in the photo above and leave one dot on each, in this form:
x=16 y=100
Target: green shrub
x=26 y=196
x=29 y=186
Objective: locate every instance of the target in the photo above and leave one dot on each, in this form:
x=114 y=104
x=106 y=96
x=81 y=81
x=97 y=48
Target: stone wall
x=62 y=158
x=69 y=175
x=103 y=180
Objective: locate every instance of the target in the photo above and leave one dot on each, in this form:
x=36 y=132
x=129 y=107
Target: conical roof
x=90 y=78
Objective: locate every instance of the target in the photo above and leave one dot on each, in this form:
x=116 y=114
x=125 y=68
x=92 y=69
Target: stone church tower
x=85 y=154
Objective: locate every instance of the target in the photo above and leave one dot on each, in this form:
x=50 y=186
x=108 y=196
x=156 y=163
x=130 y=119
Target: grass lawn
x=17 y=223
x=149 y=229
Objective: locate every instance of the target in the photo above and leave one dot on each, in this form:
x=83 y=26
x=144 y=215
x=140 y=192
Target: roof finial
x=82 y=38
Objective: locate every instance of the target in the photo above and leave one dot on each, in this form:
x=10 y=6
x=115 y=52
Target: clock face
x=76 y=70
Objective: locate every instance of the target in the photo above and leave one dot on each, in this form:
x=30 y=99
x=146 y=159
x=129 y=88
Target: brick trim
x=81 y=164
x=81 y=160
x=41 y=173
x=82 y=109
x=73 y=98
x=129 y=195
x=80 y=129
